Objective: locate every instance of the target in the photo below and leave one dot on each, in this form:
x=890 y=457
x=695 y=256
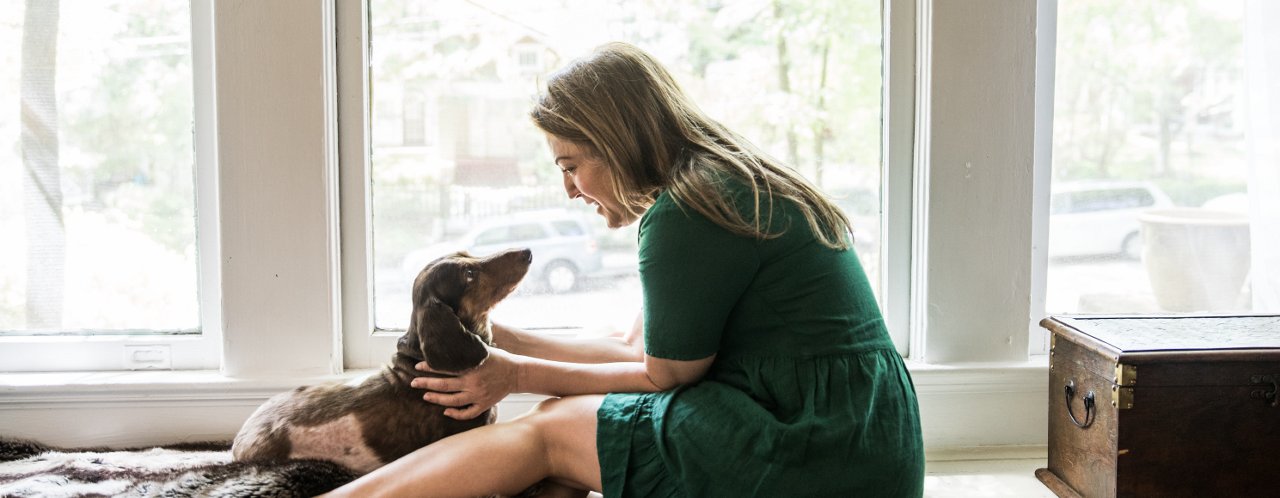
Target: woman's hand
x=468 y=394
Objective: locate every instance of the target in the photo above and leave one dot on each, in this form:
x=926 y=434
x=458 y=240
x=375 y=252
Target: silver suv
x=1100 y=217
x=564 y=247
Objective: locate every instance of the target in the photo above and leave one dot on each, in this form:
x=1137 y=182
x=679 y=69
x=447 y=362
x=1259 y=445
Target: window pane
x=455 y=155
x=1164 y=162
x=96 y=178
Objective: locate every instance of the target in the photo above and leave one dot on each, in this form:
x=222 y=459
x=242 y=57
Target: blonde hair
x=622 y=105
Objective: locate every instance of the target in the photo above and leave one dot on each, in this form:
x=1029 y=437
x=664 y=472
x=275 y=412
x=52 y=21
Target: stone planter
x=1196 y=259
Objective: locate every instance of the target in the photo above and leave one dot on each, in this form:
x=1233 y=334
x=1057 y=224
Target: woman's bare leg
x=556 y=440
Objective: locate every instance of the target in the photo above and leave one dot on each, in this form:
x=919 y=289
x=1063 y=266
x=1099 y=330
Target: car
x=1089 y=218
x=564 y=247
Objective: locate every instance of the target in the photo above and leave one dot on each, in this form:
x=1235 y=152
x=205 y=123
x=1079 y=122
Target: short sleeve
x=692 y=272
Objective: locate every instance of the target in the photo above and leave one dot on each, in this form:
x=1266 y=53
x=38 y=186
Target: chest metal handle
x=1090 y=408
x=1267 y=394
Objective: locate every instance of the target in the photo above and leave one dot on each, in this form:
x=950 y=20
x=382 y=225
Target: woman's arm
x=629 y=347
x=471 y=393
x=538 y=376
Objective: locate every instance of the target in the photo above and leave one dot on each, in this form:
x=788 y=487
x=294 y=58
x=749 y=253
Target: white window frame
x=363 y=346
x=36 y=353
x=366 y=347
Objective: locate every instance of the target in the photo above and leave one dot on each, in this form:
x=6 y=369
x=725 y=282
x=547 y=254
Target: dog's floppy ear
x=446 y=345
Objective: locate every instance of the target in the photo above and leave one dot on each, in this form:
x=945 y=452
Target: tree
x=42 y=184
x=1132 y=74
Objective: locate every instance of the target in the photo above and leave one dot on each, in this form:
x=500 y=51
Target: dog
x=366 y=426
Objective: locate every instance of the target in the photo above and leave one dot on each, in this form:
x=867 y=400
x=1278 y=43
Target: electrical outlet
x=147 y=357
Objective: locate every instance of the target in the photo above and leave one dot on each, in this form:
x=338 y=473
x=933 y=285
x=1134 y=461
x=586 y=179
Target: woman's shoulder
x=666 y=209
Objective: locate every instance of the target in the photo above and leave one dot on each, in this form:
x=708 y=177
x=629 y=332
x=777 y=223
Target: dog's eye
x=471 y=274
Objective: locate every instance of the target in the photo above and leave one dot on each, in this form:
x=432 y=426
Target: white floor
x=985 y=479
x=1013 y=478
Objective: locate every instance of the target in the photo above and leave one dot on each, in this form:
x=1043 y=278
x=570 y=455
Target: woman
x=761 y=365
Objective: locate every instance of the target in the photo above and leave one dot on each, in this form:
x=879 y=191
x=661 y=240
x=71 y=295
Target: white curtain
x=1262 y=80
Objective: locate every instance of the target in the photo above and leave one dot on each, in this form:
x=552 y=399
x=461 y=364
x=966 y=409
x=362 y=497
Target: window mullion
x=277 y=177
x=897 y=170
x=980 y=87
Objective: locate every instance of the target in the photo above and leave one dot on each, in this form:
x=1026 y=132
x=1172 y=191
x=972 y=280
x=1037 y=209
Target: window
x=509 y=234
x=800 y=79
x=1164 y=170
x=106 y=172
x=568 y=228
x=97 y=202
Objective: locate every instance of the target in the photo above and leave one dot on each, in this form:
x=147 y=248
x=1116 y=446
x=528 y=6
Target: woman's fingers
x=460 y=406
x=468 y=394
x=423 y=366
x=438 y=384
x=465 y=413
x=449 y=399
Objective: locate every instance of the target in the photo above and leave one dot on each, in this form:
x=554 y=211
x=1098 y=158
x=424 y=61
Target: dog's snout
x=527 y=255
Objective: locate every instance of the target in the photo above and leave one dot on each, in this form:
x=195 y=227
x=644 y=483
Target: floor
x=984 y=479
x=1013 y=478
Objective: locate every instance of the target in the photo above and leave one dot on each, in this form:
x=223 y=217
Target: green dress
x=807 y=395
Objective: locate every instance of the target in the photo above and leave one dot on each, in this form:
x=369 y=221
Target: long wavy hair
x=621 y=105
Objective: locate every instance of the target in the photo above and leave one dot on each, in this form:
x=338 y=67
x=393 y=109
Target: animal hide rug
x=184 y=470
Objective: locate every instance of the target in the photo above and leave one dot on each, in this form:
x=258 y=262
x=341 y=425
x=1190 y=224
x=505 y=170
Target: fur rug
x=184 y=470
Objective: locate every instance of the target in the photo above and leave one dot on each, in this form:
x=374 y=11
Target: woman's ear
x=446 y=344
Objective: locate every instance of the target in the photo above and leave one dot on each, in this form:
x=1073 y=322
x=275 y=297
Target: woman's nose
x=570 y=188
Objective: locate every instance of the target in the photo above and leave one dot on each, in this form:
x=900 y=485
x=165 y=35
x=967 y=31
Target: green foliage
x=127 y=134
x=166 y=215
x=812 y=96
x=1194 y=192
x=799 y=78
x=1140 y=90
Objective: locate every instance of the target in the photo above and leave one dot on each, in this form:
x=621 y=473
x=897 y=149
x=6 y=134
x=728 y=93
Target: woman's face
x=588 y=177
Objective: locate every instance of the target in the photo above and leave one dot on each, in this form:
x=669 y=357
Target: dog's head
x=452 y=297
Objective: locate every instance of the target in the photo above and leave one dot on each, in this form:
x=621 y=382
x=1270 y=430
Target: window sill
x=1030 y=375
x=26 y=388
x=962 y=406
x=52 y=387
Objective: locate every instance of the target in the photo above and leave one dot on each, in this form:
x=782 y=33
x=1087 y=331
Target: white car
x=1098 y=218
x=564 y=247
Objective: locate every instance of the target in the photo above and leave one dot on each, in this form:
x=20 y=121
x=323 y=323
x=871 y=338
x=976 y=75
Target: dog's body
x=366 y=426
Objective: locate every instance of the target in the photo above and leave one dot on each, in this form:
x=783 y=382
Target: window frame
x=365 y=346
x=71 y=352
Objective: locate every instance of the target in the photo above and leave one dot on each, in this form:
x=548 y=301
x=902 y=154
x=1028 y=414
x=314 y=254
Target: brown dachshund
x=366 y=426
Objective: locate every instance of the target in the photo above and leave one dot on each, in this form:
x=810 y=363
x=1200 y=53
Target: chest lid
x=1132 y=351
x=1172 y=334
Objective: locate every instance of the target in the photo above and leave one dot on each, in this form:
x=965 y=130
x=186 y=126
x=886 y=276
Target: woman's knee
x=558 y=411
x=566 y=428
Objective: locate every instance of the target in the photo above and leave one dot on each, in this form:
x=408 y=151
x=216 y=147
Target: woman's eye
x=569 y=171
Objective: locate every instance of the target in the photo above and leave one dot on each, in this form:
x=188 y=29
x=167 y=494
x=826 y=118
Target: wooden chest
x=1163 y=406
